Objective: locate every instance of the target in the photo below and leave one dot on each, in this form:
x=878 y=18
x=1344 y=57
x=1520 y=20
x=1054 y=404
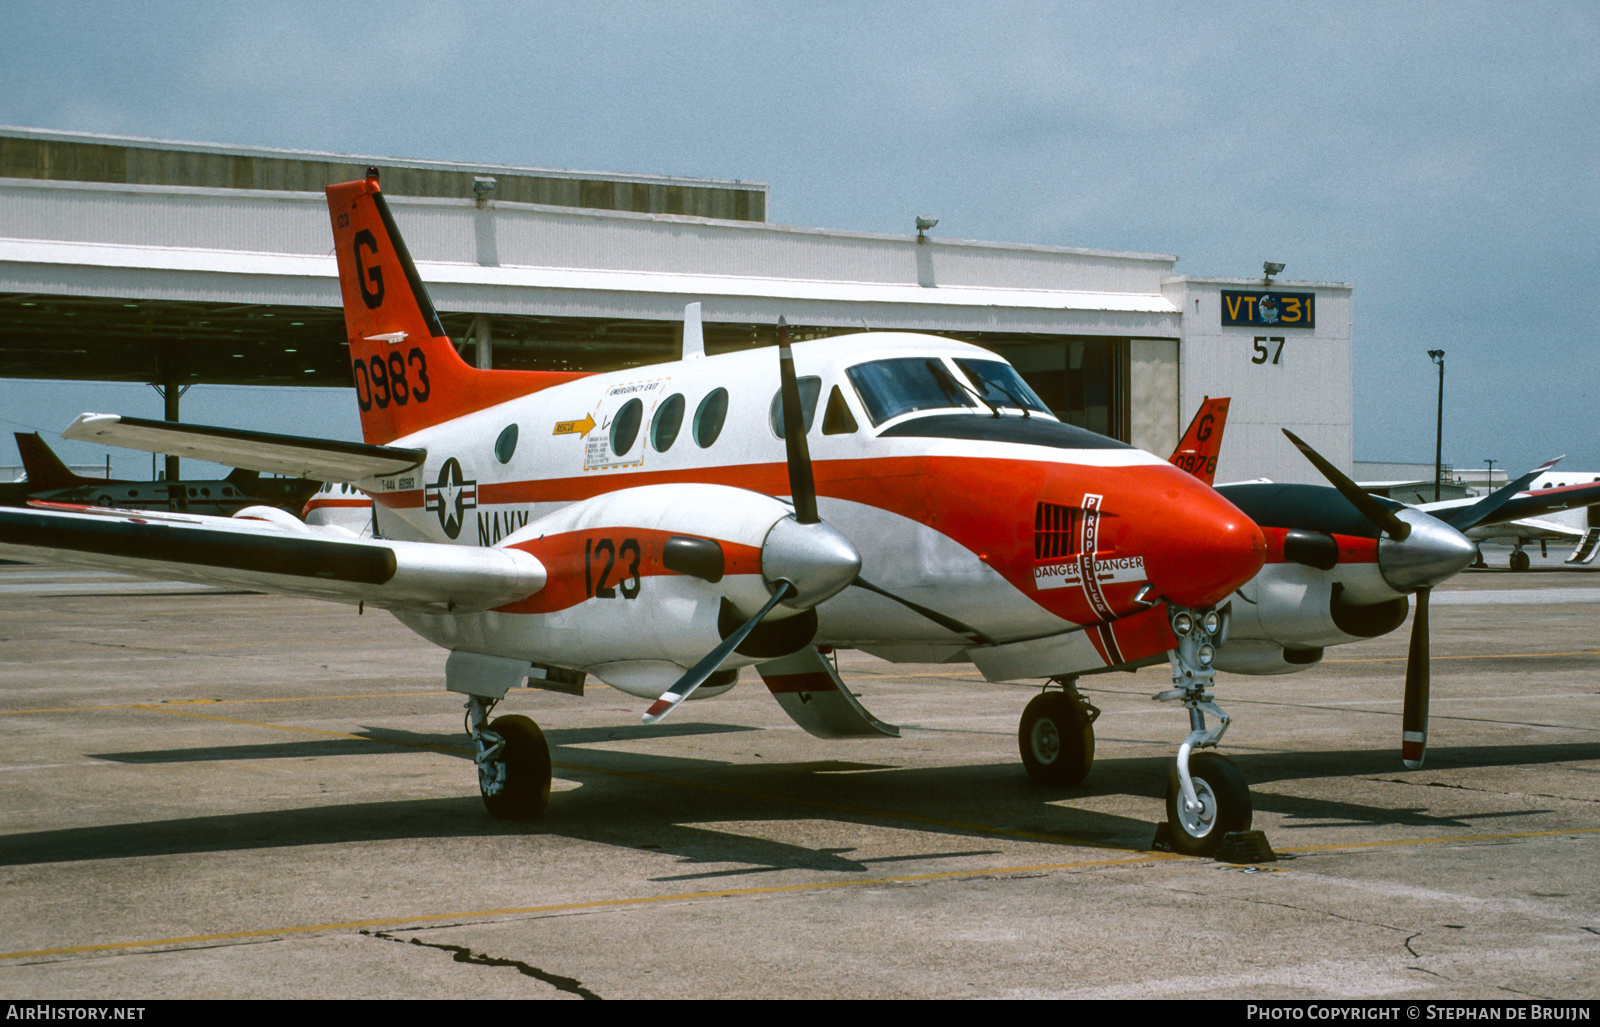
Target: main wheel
x=1056 y=738
x=1224 y=804
x=525 y=792
x=1520 y=561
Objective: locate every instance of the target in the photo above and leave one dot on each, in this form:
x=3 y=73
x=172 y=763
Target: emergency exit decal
x=1269 y=309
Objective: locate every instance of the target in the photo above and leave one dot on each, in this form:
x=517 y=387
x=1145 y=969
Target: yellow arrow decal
x=582 y=427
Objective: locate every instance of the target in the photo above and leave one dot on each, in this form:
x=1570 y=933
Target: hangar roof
x=159 y=282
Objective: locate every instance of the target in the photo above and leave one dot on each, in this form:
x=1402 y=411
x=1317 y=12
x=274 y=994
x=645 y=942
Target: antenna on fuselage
x=694 y=339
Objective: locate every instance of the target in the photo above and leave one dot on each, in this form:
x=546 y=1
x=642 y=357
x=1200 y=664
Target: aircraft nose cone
x=1432 y=553
x=1204 y=548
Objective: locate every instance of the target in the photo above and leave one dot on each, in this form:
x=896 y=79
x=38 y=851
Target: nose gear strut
x=1206 y=794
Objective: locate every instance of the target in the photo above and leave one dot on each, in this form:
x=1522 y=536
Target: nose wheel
x=1222 y=800
x=1056 y=736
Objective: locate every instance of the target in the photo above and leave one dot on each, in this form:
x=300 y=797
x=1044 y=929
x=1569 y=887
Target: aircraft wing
x=1527 y=529
x=319 y=459
x=268 y=550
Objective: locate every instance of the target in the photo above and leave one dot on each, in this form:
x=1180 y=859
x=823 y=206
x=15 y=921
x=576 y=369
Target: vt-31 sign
x=1269 y=309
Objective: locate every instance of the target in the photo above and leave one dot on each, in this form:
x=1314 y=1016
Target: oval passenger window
x=664 y=427
x=708 y=417
x=625 y=427
x=506 y=444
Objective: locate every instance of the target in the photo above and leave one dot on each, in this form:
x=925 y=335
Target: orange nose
x=1202 y=548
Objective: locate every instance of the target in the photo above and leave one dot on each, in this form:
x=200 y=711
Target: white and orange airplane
x=660 y=527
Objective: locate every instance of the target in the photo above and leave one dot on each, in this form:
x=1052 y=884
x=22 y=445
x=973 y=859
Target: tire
x=1221 y=789
x=1056 y=739
x=527 y=760
x=1520 y=561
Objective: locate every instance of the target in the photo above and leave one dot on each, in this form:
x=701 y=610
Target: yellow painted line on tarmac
x=1485 y=656
x=568 y=907
x=1441 y=841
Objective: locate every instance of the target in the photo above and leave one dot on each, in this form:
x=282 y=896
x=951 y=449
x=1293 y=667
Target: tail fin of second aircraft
x=408 y=375
x=45 y=470
x=1198 y=449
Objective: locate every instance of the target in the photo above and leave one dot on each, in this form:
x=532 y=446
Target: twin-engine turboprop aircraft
x=658 y=528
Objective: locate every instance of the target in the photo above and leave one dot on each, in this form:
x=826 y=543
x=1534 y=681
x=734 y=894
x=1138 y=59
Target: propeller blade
x=948 y=623
x=674 y=696
x=1414 y=721
x=1480 y=511
x=1366 y=503
x=802 y=487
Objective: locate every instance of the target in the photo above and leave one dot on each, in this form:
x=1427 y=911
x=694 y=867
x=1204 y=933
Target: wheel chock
x=1245 y=847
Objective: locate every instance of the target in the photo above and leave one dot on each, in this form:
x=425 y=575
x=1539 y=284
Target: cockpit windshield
x=1000 y=385
x=889 y=388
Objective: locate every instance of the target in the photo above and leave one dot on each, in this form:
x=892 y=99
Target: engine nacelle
x=1256 y=657
x=642 y=584
x=1304 y=608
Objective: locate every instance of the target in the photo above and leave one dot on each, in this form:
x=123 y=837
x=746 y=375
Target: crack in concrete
x=1411 y=939
x=462 y=954
x=1482 y=791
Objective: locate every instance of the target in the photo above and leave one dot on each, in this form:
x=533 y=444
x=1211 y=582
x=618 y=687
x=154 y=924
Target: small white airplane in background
x=1522 y=514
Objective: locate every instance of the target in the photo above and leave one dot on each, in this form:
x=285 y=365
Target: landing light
x=1182 y=624
x=1205 y=654
x=1211 y=622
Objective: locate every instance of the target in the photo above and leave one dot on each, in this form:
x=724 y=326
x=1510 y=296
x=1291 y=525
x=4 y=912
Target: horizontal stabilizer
x=267 y=550
x=318 y=459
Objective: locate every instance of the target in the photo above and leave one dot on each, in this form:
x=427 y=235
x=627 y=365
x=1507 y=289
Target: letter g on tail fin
x=407 y=374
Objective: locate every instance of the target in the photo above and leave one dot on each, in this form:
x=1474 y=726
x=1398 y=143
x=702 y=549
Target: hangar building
x=182 y=263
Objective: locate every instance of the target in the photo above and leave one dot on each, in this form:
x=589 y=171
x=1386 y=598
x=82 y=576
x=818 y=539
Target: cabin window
x=708 y=417
x=889 y=388
x=667 y=422
x=837 y=419
x=506 y=444
x=1000 y=385
x=810 y=388
x=625 y=426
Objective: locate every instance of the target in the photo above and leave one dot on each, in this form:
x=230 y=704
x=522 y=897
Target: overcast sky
x=1443 y=158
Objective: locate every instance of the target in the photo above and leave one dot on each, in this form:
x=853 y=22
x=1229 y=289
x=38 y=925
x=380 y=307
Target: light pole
x=1438 y=433
x=1488 y=486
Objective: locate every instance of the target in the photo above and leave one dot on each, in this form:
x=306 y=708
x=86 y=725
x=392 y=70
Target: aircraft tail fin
x=1198 y=449
x=45 y=470
x=408 y=375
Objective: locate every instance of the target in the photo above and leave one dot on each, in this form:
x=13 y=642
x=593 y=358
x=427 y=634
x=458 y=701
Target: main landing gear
x=513 y=762
x=1207 y=797
x=1056 y=735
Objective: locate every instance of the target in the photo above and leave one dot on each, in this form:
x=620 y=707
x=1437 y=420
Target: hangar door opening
x=1083 y=381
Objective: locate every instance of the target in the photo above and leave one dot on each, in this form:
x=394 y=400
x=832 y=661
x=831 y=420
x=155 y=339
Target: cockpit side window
x=837 y=419
x=889 y=388
x=1000 y=385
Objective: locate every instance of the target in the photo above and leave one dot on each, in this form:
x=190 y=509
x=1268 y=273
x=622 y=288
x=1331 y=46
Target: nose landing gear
x=1207 y=797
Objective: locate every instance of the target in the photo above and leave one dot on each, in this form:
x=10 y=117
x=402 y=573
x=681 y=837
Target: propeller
x=1417 y=552
x=803 y=559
